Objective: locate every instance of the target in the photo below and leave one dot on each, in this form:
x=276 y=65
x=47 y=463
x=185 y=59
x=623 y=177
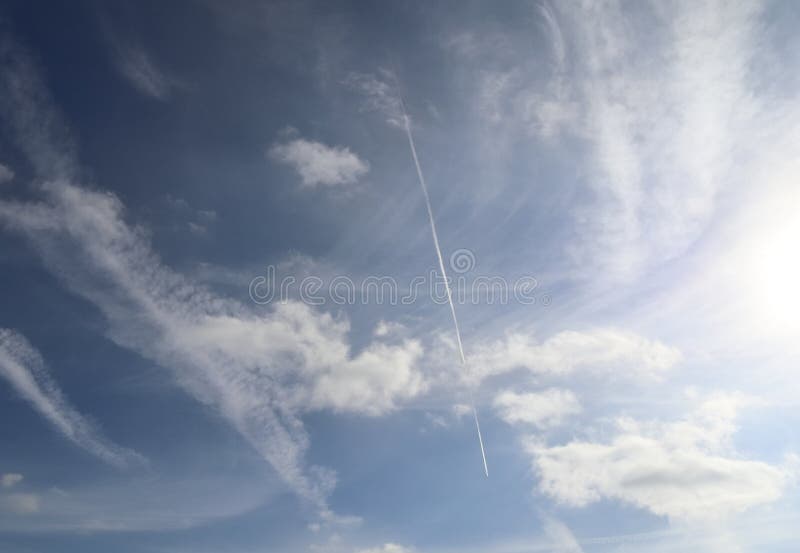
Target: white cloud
x=6 y=174
x=665 y=104
x=25 y=370
x=318 y=164
x=10 y=479
x=387 y=548
x=659 y=107
x=541 y=409
x=685 y=470
x=379 y=95
x=606 y=351
x=138 y=67
x=19 y=503
x=561 y=537
x=260 y=370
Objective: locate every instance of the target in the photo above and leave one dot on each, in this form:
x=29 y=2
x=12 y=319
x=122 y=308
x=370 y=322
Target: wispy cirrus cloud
x=319 y=164
x=380 y=94
x=261 y=371
x=6 y=174
x=658 y=106
x=141 y=71
x=561 y=537
x=23 y=367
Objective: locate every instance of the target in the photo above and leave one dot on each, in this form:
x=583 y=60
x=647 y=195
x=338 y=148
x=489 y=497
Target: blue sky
x=615 y=191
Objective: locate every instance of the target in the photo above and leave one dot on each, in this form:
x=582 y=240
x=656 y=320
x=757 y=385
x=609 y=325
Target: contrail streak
x=441 y=268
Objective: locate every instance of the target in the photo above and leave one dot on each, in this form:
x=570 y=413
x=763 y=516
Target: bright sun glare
x=777 y=268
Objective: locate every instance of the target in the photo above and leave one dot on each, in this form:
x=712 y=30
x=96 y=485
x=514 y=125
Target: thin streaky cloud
x=23 y=368
x=139 y=68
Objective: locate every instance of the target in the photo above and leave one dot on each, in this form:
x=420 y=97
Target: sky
x=223 y=322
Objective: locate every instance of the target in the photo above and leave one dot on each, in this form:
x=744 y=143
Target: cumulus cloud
x=24 y=369
x=6 y=174
x=607 y=351
x=318 y=164
x=684 y=470
x=541 y=409
x=10 y=479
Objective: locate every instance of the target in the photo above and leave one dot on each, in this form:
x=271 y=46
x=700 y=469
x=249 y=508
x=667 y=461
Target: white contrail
x=441 y=268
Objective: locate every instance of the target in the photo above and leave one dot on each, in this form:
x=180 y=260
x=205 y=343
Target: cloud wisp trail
x=23 y=367
x=424 y=186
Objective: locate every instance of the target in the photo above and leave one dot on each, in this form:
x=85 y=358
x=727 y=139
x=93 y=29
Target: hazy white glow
x=777 y=270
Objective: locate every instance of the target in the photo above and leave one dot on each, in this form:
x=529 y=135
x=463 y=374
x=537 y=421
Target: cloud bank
x=685 y=470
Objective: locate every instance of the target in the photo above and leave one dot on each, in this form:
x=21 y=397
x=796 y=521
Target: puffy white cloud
x=541 y=409
x=25 y=370
x=318 y=164
x=10 y=479
x=685 y=470
x=609 y=351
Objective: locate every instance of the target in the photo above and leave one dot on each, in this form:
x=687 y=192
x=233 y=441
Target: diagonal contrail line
x=424 y=187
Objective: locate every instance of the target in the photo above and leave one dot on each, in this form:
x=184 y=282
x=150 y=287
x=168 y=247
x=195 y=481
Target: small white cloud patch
x=10 y=480
x=540 y=409
x=318 y=164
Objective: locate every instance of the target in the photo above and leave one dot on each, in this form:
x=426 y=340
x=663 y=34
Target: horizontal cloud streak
x=601 y=351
